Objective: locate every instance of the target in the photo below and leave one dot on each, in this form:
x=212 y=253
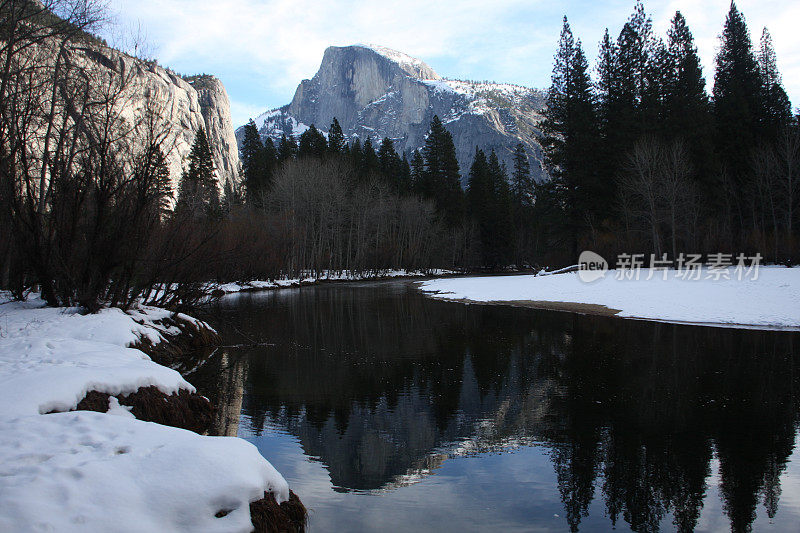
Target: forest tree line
x=641 y=160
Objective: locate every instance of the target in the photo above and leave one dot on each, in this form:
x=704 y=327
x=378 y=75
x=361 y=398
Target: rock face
x=184 y=104
x=376 y=92
x=216 y=110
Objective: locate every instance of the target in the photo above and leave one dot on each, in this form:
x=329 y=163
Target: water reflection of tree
x=381 y=387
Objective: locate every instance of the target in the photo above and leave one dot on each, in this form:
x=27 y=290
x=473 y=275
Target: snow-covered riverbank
x=772 y=300
x=92 y=471
x=325 y=277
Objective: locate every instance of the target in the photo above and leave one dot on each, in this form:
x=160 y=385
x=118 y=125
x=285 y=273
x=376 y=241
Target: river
x=389 y=411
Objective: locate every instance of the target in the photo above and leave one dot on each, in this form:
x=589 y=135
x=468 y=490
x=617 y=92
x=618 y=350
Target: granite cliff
x=377 y=92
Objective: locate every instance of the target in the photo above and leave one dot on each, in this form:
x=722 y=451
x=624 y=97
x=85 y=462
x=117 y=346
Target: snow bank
x=92 y=471
x=770 y=301
x=308 y=279
x=87 y=471
x=50 y=358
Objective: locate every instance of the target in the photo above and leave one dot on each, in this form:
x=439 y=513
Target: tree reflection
x=382 y=385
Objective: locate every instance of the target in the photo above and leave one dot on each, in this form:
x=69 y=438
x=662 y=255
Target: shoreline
x=601 y=310
x=724 y=303
x=224 y=289
x=70 y=377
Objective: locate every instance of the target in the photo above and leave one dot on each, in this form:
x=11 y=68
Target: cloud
x=261 y=49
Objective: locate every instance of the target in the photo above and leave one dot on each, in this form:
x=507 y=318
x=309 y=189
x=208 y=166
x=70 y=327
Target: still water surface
x=389 y=411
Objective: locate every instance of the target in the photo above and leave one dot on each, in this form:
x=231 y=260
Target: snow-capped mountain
x=377 y=92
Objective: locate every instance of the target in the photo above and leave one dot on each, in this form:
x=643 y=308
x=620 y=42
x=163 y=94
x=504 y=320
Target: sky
x=262 y=49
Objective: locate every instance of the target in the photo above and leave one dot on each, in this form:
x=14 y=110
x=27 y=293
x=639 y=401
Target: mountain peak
x=376 y=92
x=413 y=66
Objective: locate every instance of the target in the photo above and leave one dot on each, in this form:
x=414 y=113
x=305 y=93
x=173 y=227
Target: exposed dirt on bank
x=185 y=410
x=192 y=337
x=270 y=517
x=572 y=307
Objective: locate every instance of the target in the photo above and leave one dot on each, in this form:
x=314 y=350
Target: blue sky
x=261 y=49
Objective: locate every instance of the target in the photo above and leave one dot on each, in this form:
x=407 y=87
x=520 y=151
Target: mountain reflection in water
x=382 y=386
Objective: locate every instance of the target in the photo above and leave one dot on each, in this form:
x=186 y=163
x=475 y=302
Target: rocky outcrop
x=376 y=92
x=216 y=110
x=184 y=105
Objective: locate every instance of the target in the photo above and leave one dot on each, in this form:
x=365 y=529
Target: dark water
x=389 y=411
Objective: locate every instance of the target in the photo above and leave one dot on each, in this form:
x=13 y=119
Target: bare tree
x=657 y=196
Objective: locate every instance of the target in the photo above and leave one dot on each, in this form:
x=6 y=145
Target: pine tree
x=479 y=200
x=392 y=166
x=737 y=104
x=254 y=169
x=687 y=107
x=199 y=194
x=606 y=82
x=657 y=77
x=488 y=204
x=312 y=143
x=417 y=172
x=287 y=148
x=633 y=69
x=521 y=181
x=152 y=180
x=571 y=137
x=479 y=185
x=404 y=177
x=441 y=179
x=369 y=159
x=270 y=158
x=776 y=114
x=336 y=141
x=502 y=229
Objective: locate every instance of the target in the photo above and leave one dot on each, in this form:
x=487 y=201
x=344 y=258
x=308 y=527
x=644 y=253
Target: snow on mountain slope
x=378 y=92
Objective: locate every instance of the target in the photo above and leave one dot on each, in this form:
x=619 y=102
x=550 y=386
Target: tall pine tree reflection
x=382 y=385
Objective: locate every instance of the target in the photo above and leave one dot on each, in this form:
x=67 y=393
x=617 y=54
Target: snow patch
x=87 y=471
x=771 y=301
x=404 y=60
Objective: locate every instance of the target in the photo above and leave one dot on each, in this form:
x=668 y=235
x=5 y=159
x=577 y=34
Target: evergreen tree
x=161 y=186
x=502 y=229
x=404 y=177
x=390 y=163
x=606 y=82
x=312 y=143
x=199 y=194
x=657 y=77
x=687 y=108
x=521 y=181
x=441 y=179
x=336 y=141
x=234 y=196
x=270 y=158
x=254 y=171
x=417 y=172
x=777 y=111
x=356 y=154
x=479 y=186
x=480 y=200
x=488 y=203
x=737 y=102
x=369 y=159
x=571 y=137
x=633 y=70
x=287 y=148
